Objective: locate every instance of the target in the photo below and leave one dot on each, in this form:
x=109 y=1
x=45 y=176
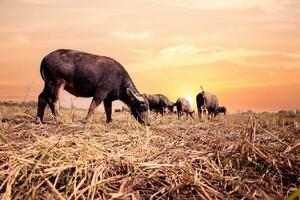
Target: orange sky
x=246 y=52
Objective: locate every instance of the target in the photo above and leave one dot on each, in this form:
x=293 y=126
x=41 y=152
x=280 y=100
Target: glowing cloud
x=189 y=55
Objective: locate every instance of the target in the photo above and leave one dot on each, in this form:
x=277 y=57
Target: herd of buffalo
x=206 y=103
x=87 y=75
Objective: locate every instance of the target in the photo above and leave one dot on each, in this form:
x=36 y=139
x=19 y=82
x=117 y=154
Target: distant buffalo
x=209 y=102
x=125 y=109
x=222 y=109
x=159 y=103
x=288 y=113
x=87 y=75
x=118 y=110
x=183 y=106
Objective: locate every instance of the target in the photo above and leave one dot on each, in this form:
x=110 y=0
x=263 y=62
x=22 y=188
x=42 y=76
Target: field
x=232 y=157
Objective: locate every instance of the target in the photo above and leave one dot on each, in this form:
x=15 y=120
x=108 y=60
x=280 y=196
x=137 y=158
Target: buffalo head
x=139 y=107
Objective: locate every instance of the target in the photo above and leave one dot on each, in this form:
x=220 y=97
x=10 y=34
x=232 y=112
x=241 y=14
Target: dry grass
x=233 y=157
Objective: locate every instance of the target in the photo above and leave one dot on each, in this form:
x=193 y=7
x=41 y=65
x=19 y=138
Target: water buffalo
x=169 y=104
x=222 y=109
x=159 y=103
x=125 y=109
x=183 y=106
x=207 y=101
x=87 y=75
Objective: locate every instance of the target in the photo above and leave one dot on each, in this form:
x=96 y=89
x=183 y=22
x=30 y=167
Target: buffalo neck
x=127 y=83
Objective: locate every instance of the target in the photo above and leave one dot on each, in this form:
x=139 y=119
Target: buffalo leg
x=215 y=114
x=97 y=100
x=162 y=113
x=42 y=103
x=53 y=100
x=107 y=107
x=95 y=103
x=161 y=110
x=199 y=114
x=179 y=115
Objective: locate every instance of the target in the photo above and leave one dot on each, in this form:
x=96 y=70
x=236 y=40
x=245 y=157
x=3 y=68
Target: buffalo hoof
x=56 y=118
x=38 y=121
x=86 y=121
x=108 y=121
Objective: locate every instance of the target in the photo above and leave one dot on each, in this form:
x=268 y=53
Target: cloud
x=179 y=50
x=184 y=55
x=123 y=35
x=219 y=67
x=271 y=60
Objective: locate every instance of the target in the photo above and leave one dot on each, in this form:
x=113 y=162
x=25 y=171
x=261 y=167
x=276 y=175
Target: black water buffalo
x=209 y=102
x=159 y=103
x=87 y=75
x=222 y=109
x=183 y=106
x=170 y=104
x=125 y=109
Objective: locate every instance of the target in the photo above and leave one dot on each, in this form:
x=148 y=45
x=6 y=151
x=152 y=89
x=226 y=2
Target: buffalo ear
x=134 y=95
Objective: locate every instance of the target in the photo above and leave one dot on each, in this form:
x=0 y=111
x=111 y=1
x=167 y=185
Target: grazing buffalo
x=183 y=106
x=159 y=103
x=209 y=102
x=222 y=109
x=87 y=75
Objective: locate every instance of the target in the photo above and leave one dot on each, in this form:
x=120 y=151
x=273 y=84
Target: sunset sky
x=246 y=52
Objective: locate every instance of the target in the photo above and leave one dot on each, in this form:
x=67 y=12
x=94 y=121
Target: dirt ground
x=232 y=157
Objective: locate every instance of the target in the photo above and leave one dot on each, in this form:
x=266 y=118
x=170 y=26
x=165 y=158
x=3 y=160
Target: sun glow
x=236 y=64
x=190 y=99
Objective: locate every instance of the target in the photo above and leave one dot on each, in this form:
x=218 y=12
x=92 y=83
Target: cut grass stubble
x=254 y=157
